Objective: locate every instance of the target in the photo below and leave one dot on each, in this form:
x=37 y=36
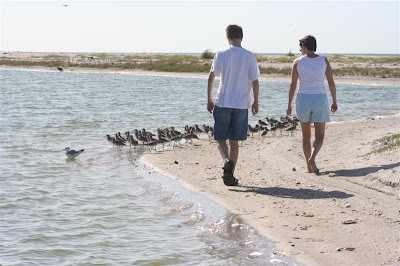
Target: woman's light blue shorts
x=230 y=123
x=312 y=108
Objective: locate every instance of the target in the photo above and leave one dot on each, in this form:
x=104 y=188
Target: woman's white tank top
x=311 y=75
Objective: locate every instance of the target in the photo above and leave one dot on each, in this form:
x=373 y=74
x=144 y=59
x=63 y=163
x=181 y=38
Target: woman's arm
x=332 y=86
x=293 y=85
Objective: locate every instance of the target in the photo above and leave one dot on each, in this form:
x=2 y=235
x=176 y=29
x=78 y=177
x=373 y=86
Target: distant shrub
x=290 y=53
x=207 y=54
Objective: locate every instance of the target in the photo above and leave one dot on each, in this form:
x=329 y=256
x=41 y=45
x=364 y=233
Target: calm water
x=105 y=207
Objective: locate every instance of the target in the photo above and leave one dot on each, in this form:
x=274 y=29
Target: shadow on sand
x=360 y=171
x=292 y=193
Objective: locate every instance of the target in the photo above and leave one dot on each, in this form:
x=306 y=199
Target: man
x=238 y=71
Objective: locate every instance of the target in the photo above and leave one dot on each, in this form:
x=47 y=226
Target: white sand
x=271 y=77
x=304 y=213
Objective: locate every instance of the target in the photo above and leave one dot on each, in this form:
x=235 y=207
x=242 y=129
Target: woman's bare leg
x=306 y=132
x=319 y=140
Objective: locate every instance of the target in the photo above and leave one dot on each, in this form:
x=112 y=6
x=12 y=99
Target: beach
x=348 y=214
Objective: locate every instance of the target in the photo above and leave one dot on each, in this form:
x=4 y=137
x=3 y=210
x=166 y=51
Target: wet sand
x=349 y=214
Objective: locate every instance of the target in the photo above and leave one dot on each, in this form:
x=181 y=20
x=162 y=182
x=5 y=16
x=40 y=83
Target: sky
x=356 y=27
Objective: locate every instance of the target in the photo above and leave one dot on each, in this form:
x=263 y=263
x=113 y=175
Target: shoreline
x=303 y=214
x=362 y=80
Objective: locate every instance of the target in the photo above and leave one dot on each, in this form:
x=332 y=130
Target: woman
x=312 y=102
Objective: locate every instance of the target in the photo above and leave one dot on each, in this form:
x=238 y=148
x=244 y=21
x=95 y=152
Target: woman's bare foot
x=313 y=166
x=308 y=168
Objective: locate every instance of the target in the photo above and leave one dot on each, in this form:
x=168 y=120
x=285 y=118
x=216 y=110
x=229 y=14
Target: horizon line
x=197 y=53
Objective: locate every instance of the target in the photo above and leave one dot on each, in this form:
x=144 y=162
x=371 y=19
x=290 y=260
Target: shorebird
x=71 y=154
x=262 y=123
x=210 y=134
x=136 y=133
x=190 y=136
x=281 y=126
x=162 y=139
x=151 y=143
x=119 y=144
x=177 y=138
x=271 y=120
x=197 y=129
x=119 y=138
x=252 y=130
x=265 y=132
x=110 y=139
x=273 y=130
x=174 y=132
x=132 y=141
x=60 y=68
x=291 y=128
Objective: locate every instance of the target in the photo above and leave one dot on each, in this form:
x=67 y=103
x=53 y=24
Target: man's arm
x=256 y=90
x=210 y=102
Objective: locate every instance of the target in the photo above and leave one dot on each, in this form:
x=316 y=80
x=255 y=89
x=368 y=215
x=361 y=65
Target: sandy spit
x=349 y=214
x=270 y=77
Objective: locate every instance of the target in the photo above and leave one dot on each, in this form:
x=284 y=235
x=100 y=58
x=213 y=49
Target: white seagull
x=72 y=153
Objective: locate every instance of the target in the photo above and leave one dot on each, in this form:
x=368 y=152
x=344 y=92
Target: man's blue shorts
x=312 y=108
x=230 y=123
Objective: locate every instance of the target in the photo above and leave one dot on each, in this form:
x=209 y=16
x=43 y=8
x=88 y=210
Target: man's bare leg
x=233 y=152
x=223 y=149
x=306 y=132
x=319 y=140
x=230 y=153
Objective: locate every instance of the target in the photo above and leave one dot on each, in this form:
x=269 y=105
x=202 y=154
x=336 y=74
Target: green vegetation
x=165 y=63
x=364 y=59
x=387 y=143
x=348 y=65
x=275 y=59
x=275 y=70
x=382 y=72
x=31 y=63
x=55 y=56
x=207 y=54
x=290 y=53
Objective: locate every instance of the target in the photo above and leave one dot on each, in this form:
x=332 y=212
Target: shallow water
x=104 y=207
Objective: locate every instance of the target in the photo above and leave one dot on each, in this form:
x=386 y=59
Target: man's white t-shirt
x=237 y=69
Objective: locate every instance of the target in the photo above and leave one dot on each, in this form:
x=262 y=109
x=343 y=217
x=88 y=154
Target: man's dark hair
x=234 y=32
x=309 y=42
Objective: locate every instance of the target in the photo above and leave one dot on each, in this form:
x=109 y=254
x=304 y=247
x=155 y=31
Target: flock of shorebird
x=171 y=136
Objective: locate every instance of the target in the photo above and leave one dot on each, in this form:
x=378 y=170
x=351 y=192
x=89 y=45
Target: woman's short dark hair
x=309 y=42
x=234 y=32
